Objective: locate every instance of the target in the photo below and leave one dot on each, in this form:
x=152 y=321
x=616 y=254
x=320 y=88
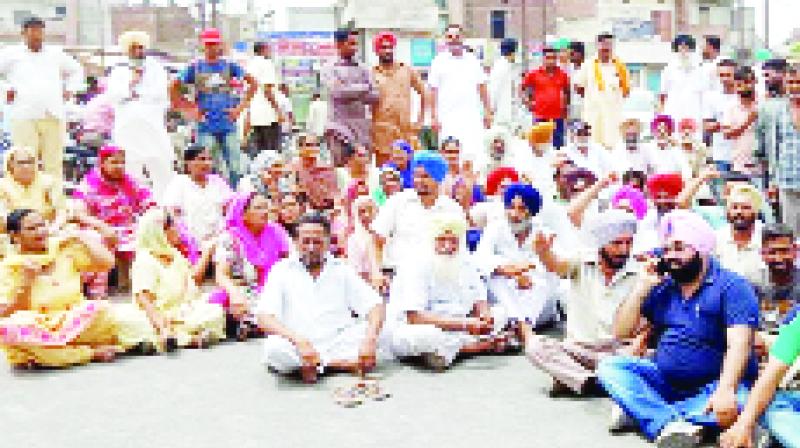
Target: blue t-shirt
x=215 y=94
x=691 y=333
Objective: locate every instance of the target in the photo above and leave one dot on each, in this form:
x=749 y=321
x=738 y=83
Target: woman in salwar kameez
x=112 y=196
x=165 y=285
x=23 y=185
x=244 y=256
x=44 y=318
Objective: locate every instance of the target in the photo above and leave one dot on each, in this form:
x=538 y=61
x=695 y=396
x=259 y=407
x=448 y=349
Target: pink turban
x=635 y=199
x=380 y=38
x=689 y=227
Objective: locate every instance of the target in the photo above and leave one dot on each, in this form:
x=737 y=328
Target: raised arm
x=543 y=246
x=579 y=204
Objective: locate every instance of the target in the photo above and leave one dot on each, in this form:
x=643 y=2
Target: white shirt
x=626 y=160
x=261 y=111
x=456 y=80
x=502 y=89
x=746 y=261
x=39 y=80
x=595 y=160
x=152 y=90
x=668 y=160
x=407 y=225
x=416 y=289
x=201 y=207
x=318 y=309
x=683 y=87
x=317 y=117
x=716 y=105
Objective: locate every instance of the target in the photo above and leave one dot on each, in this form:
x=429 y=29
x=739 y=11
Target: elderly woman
x=244 y=256
x=362 y=250
x=44 y=318
x=24 y=186
x=115 y=198
x=267 y=175
x=199 y=197
x=165 y=286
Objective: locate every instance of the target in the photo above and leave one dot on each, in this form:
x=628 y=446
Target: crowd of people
x=423 y=217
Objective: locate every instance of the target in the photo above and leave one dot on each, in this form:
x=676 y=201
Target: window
x=21 y=16
x=498 y=24
x=705 y=15
x=61 y=10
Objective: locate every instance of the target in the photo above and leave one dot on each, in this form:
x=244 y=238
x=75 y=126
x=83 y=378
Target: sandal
x=372 y=390
x=348 y=397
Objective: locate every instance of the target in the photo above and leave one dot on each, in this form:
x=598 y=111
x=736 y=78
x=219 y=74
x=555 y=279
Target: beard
x=446 y=270
x=386 y=59
x=742 y=223
x=781 y=267
x=614 y=262
x=311 y=260
x=521 y=227
x=686 y=273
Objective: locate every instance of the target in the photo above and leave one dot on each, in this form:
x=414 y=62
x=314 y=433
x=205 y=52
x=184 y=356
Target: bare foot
x=309 y=374
x=105 y=353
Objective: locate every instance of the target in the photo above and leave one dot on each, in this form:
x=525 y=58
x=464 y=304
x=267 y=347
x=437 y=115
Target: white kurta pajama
x=683 y=84
x=498 y=247
x=320 y=310
x=503 y=86
x=416 y=289
x=139 y=126
x=456 y=80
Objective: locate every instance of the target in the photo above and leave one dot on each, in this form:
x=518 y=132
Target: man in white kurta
x=308 y=306
x=458 y=90
x=440 y=301
x=605 y=83
x=517 y=281
x=138 y=89
x=504 y=84
x=408 y=214
x=683 y=81
x=40 y=78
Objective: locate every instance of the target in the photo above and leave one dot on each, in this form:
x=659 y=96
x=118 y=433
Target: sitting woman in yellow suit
x=23 y=185
x=165 y=285
x=44 y=318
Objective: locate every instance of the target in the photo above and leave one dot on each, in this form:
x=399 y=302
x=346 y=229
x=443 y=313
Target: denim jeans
x=783 y=418
x=641 y=390
x=226 y=153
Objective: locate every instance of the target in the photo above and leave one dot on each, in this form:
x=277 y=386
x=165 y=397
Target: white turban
x=130 y=38
x=448 y=222
x=610 y=225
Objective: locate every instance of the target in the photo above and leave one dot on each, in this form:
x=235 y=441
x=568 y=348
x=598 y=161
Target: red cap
x=210 y=36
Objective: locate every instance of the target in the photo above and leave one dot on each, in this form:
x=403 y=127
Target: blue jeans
x=226 y=153
x=783 y=418
x=638 y=387
x=558 y=133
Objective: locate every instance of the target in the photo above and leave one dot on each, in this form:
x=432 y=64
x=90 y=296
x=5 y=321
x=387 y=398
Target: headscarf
x=496 y=177
x=150 y=235
x=666 y=119
x=14 y=153
x=378 y=194
x=671 y=183
x=610 y=225
x=380 y=38
x=263 y=250
x=747 y=193
x=530 y=197
x=689 y=227
x=433 y=163
x=130 y=38
x=635 y=199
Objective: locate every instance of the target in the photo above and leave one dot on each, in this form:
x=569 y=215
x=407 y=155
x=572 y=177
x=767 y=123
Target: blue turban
x=433 y=163
x=508 y=46
x=530 y=197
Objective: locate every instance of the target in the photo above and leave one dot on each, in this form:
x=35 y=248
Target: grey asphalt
x=224 y=397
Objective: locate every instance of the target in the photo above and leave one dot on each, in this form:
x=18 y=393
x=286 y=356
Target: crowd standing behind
x=650 y=261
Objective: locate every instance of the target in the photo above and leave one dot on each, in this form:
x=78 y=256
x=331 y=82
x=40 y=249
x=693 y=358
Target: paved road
x=224 y=398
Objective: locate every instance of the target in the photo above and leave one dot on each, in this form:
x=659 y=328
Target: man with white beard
x=682 y=82
x=139 y=91
x=441 y=303
x=517 y=280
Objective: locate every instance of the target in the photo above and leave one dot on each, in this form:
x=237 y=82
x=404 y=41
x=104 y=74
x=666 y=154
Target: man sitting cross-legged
x=308 y=305
x=441 y=301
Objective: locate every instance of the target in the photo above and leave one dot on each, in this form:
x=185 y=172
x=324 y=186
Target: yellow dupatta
x=622 y=73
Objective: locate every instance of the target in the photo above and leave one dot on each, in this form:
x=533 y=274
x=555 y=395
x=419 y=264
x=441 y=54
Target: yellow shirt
x=43 y=195
x=171 y=284
x=55 y=289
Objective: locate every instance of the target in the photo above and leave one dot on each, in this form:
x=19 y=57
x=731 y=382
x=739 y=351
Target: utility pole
x=766 y=23
x=214 y=17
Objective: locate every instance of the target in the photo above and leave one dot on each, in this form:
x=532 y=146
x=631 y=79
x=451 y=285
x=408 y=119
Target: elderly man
x=408 y=214
x=587 y=154
x=458 y=94
x=139 y=91
x=351 y=91
x=739 y=241
x=517 y=280
x=392 y=114
x=599 y=283
x=702 y=318
x=441 y=301
x=630 y=154
x=218 y=103
x=41 y=78
x=308 y=306
x=606 y=85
